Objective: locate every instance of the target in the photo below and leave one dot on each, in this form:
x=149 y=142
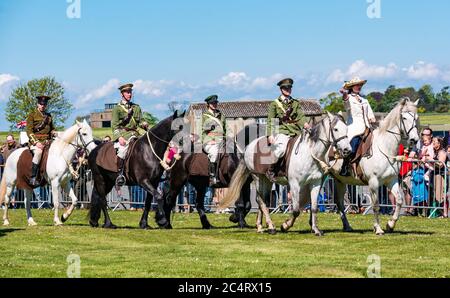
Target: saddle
x=198 y=166
x=264 y=158
x=108 y=160
x=24 y=168
x=364 y=150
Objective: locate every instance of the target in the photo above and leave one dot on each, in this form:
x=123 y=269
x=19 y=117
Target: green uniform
x=39 y=127
x=290 y=125
x=124 y=125
x=213 y=128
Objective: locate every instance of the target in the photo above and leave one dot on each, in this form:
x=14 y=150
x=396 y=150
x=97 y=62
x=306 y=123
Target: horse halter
x=404 y=132
x=83 y=142
x=334 y=140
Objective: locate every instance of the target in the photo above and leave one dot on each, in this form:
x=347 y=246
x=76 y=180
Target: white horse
x=382 y=168
x=58 y=170
x=304 y=172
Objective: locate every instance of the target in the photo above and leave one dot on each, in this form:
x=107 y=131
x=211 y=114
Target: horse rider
x=126 y=120
x=360 y=117
x=40 y=130
x=213 y=136
x=286 y=113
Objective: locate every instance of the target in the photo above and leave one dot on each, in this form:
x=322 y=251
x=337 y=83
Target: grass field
x=434 y=119
x=419 y=248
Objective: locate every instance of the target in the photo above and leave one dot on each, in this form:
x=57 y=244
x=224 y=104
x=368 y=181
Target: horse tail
x=2 y=189
x=237 y=182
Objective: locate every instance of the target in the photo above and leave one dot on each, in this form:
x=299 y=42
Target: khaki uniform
x=291 y=120
x=39 y=130
x=126 y=122
x=213 y=133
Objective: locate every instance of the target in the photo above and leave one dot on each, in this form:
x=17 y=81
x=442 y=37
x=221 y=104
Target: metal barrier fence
x=425 y=187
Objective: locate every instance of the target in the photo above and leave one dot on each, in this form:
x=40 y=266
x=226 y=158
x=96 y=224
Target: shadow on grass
x=4 y=232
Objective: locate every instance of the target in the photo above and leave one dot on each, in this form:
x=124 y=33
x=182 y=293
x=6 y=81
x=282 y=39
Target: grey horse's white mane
x=405 y=105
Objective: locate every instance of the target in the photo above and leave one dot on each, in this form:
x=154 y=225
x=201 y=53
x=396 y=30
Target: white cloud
x=7 y=81
x=107 y=89
x=361 y=69
x=151 y=88
x=422 y=71
x=234 y=79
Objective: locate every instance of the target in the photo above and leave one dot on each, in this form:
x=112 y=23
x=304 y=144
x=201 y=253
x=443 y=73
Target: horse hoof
x=93 y=224
x=63 y=219
x=109 y=226
x=378 y=232
x=348 y=229
x=233 y=218
x=6 y=223
x=318 y=233
x=208 y=227
x=145 y=226
x=31 y=223
x=389 y=229
x=272 y=231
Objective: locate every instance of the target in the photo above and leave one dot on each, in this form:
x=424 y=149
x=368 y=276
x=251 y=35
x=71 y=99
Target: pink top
x=172 y=152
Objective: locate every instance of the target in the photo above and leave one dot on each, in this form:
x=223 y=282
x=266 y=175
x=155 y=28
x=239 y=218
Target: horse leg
x=108 y=223
x=143 y=224
x=95 y=211
x=339 y=193
x=295 y=194
x=9 y=189
x=373 y=186
x=200 y=205
x=398 y=193
x=264 y=189
x=259 y=226
x=315 y=189
x=28 y=196
x=55 y=195
x=68 y=189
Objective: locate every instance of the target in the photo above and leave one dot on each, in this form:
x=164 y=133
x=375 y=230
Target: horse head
x=409 y=120
x=85 y=138
x=338 y=133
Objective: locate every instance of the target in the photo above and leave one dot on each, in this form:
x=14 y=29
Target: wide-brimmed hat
x=212 y=99
x=126 y=87
x=43 y=99
x=286 y=83
x=353 y=82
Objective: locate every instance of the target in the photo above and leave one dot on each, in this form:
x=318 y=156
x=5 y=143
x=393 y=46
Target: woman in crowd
x=439 y=173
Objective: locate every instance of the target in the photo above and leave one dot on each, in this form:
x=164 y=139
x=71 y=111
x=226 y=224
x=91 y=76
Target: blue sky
x=186 y=50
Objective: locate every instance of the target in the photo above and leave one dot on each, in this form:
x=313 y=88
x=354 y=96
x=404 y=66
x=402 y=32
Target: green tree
x=333 y=103
x=22 y=101
x=443 y=100
x=428 y=100
x=150 y=119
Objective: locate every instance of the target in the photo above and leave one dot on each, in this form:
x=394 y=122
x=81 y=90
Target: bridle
x=332 y=140
x=404 y=132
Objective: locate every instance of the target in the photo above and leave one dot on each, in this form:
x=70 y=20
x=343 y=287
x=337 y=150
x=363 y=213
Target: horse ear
x=78 y=122
x=416 y=103
x=329 y=114
x=175 y=115
x=184 y=114
x=404 y=100
x=341 y=114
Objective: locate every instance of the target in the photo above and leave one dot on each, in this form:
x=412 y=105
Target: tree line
x=430 y=102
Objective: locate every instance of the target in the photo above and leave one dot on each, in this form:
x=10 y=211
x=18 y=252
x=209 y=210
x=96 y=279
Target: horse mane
x=67 y=136
x=405 y=105
x=316 y=130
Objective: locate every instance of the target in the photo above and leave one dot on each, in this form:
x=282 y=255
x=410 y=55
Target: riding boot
x=34 y=171
x=213 y=174
x=120 y=180
x=345 y=172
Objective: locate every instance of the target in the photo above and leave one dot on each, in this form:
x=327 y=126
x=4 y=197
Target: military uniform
x=40 y=129
x=127 y=123
x=213 y=136
x=288 y=115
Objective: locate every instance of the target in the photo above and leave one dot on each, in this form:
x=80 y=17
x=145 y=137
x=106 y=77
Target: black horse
x=180 y=174
x=144 y=170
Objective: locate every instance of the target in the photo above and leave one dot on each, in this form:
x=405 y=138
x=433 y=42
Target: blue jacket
x=419 y=188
